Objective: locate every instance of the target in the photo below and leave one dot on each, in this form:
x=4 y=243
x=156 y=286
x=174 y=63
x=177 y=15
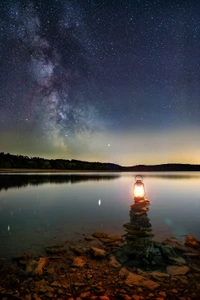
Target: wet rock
x=176 y=270
x=97 y=252
x=78 y=262
x=192 y=242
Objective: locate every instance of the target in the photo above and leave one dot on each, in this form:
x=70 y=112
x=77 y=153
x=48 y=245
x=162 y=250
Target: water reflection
x=24 y=180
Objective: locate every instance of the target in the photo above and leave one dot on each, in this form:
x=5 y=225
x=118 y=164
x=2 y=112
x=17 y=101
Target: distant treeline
x=9 y=161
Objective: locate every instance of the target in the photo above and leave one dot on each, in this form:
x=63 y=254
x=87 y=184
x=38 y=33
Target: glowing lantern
x=138 y=188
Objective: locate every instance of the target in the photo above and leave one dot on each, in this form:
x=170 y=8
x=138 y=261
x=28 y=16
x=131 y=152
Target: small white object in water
x=8 y=227
x=99 y=202
x=11 y=213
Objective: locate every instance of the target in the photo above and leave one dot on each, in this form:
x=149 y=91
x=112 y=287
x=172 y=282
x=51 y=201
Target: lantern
x=138 y=188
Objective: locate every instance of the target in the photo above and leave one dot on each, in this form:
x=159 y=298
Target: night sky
x=112 y=81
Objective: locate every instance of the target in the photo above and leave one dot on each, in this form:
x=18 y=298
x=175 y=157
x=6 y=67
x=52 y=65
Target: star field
x=96 y=80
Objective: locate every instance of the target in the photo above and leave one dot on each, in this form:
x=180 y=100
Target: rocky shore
x=99 y=267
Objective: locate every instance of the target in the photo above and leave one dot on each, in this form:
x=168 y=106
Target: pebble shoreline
x=94 y=268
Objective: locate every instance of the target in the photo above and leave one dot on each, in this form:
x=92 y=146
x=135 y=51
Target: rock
x=127 y=297
x=104 y=298
x=100 y=234
x=116 y=238
x=78 y=262
x=168 y=251
x=192 y=242
x=175 y=243
x=42 y=286
x=136 y=297
x=97 y=252
x=106 y=240
x=123 y=272
x=35 y=297
x=56 y=284
x=78 y=250
x=134 y=279
x=159 y=276
x=89 y=238
x=176 y=270
x=39 y=269
x=31 y=265
x=57 y=249
x=180 y=261
x=50 y=270
x=113 y=262
x=85 y=294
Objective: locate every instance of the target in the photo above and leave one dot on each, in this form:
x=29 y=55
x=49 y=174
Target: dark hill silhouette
x=10 y=161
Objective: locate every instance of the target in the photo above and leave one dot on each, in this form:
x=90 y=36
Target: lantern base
x=141 y=200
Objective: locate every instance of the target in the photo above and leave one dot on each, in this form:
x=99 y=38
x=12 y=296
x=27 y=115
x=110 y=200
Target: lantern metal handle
x=140 y=177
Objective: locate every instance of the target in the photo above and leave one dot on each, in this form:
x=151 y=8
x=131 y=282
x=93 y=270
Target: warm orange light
x=138 y=189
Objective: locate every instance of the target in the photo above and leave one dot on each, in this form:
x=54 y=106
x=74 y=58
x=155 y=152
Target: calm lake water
x=44 y=209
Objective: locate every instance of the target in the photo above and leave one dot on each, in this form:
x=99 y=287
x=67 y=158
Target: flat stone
x=177 y=270
x=78 y=262
x=158 y=275
x=98 y=252
x=134 y=279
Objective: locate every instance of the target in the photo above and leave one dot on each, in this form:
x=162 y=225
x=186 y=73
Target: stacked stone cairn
x=138 y=233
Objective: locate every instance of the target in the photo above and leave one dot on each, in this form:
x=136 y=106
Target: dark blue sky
x=101 y=80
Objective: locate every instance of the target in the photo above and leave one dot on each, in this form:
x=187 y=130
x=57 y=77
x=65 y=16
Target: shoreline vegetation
x=10 y=163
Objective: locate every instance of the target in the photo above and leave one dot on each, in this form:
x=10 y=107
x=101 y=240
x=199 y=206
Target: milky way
x=99 y=80
x=56 y=99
